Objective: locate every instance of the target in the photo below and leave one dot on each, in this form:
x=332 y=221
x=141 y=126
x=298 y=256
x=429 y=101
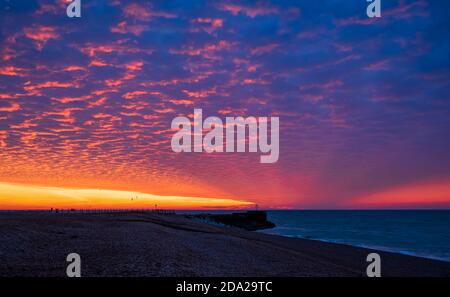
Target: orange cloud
x=164 y=110
x=134 y=65
x=200 y=93
x=71 y=99
x=12 y=71
x=49 y=84
x=41 y=34
x=13 y=107
x=74 y=68
x=113 y=82
x=181 y=102
x=135 y=94
x=98 y=63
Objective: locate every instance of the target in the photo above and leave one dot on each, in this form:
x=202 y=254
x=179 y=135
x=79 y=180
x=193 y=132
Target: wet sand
x=138 y=244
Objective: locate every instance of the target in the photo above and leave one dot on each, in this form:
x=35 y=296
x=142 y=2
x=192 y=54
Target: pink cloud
x=181 y=102
x=248 y=11
x=74 y=68
x=134 y=65
x=125 y=28
x=98 y=63
x=13 y=106
x=113 y=82
x=328 y=85
x=49 y=8
x=12 y=71
x=136 y=94
x=208 y=51
x=264 y=49
x=71 y=99
x=40 y=34
x=143 y=13
x=356 y=21
x=49 y=84
x=208 y=24
x=379 y=65
x=200 y=93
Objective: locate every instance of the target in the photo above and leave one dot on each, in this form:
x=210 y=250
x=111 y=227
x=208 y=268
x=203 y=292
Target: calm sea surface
x=424 y=233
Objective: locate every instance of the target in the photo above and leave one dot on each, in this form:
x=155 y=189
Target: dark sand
x=36 y=244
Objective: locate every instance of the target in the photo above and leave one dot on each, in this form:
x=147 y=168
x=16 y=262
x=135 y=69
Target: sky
x=86 y=103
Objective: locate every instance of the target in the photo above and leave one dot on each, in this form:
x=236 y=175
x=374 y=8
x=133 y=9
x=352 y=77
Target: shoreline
x=364 y=246
x=144 y=244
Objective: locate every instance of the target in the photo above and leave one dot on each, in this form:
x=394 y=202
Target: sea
x=423 y=233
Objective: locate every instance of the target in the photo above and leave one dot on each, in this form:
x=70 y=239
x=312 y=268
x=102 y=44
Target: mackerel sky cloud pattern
x=364 y=104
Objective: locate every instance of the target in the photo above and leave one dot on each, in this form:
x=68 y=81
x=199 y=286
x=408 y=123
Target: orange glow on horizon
x=420 y=195
x=20 y=196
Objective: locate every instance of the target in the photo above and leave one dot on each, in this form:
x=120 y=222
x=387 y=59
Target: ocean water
x=424 y=233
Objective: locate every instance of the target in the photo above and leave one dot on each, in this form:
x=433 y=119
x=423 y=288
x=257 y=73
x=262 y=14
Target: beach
x=145 y=244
